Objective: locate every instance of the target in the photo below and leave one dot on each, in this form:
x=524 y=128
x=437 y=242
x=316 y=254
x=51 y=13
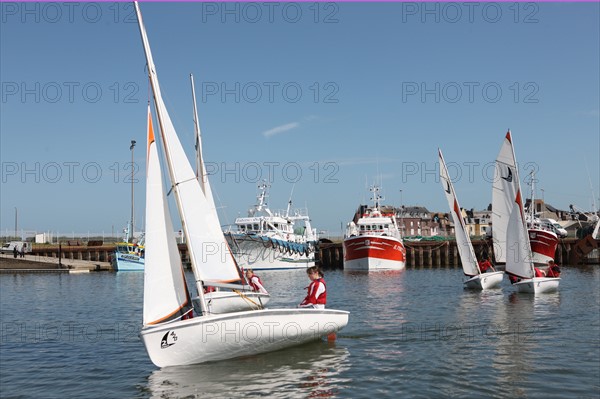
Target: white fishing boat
x=173 y=332
x=273 y=240
x=519 y=257
x=475 y=278
x=128 y=255
x=374 y=241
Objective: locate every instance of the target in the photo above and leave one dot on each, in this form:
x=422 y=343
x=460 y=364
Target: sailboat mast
x=174 y=183
x=519 y=202
x=532 y=207
x=199 y=162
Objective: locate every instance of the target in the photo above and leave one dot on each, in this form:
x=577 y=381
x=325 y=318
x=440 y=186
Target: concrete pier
x=419 y=254
x=444 y=254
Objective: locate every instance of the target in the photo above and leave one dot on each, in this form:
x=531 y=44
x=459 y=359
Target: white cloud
x=593 y=112
x=280 y=129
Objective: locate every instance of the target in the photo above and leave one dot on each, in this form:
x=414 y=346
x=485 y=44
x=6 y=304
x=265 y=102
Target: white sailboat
x=519 y=257
x=173 y=333
x=475 y=278
x=220 y=299
x=503 y=195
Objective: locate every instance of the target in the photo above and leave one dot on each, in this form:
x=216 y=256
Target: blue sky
x=329 y=97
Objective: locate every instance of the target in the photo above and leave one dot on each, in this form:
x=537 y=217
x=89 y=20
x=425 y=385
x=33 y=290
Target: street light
x=132 y=173
x=542 y=190
x=401 y=215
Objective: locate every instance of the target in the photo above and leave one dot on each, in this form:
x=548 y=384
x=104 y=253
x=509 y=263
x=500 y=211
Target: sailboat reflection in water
x=314 y=370
x=173 y=332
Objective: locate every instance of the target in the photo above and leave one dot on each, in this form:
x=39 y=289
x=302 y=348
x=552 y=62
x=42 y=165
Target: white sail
x=596 y=229
x=165 y=292
x=504 y=189
x=463 y=241
x=201 y=173
x=209 y=253
x=518 y=259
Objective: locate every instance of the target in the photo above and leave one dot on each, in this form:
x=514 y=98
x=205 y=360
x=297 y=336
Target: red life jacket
x=312 y=292
x=553 y=271
x=538 y=272
x=322 y=299
x=484 y=265
x=253 y=284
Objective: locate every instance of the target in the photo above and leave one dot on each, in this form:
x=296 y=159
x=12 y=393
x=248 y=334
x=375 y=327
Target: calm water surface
x=414 y=333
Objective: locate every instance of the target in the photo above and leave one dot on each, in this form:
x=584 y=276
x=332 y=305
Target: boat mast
x=376 y=197
x=518 y=194
x=531 y=205
x=174 y=183
x=289 y=206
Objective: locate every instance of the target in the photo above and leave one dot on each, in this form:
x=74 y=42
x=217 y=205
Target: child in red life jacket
x=255 y=282
x=317 y=293
x=553 y=269
x=486 y=265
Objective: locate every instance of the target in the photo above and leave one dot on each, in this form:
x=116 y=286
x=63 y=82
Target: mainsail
x=519 y=259
x=165 y=292
x=463 y=241
x=504 y=190
x=201 y=173
x=209 y=254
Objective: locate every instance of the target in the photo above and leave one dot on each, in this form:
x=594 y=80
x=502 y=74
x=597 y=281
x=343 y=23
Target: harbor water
x=414 y=333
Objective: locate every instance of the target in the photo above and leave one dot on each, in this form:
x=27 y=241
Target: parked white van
x=560 y=231
x=9 y=247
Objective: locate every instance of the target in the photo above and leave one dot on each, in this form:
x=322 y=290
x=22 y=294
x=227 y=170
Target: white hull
x=211 y=338
x=256 y=255
x=485 y=281
x=369 y=264
x=127 y=262
x=220 y=302
x=537 y=285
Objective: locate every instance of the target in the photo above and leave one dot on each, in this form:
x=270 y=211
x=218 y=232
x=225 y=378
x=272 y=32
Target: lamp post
x=130 y=235
x=543 y=203
x=401 y=216
x=542 y=190
x=16 y=212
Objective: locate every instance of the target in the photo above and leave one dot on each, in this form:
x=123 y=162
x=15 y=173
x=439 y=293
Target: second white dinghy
x=475 y=278
x=519 y=257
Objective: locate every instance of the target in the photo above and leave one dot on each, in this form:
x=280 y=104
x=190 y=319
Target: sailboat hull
x=219 y=302
x=485 y=281
x=537 y=285
x=220 y=337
